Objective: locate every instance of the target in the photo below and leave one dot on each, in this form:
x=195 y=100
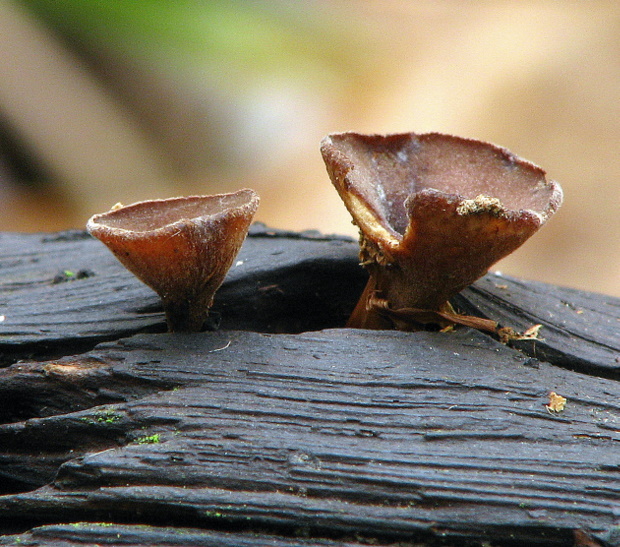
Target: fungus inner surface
x=388 y=169
x=146 y=216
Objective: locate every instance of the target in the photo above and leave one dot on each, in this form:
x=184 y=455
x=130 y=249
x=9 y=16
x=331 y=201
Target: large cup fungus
x=180 y=247
x=435 y=212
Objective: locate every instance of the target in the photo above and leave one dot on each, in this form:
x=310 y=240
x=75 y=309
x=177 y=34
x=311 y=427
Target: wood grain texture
x=581 y=330
x=107 y=533
x=279 y=429
x=280 y=281
x=393 y=435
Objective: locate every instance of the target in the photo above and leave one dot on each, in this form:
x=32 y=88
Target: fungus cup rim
x=95 y=222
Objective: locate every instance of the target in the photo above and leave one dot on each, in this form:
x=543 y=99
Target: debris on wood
x=556 y=403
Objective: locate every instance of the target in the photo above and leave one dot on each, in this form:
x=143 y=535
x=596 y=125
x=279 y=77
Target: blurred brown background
x=106 y=101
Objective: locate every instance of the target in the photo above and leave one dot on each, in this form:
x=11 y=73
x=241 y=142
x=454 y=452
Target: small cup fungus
x=435 y=212
x=180 y=247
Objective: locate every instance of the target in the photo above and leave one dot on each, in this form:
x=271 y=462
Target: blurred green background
x=109 y=100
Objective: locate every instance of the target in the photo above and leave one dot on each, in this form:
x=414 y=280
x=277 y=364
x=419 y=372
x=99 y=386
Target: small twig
x=220 y=349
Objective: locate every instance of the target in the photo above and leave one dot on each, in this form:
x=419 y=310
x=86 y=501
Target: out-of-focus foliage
x=121 y=100
x=223 y=40
x=224 y=85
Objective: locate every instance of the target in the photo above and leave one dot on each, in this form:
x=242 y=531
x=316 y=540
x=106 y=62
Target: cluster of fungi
x=434 y=211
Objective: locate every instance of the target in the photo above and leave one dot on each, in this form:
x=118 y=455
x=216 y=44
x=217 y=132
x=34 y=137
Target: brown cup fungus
x=435 y=212
x=180 y=247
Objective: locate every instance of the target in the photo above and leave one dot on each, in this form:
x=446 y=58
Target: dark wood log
x=283 y=282
x=67 y=289
x=581 y=330
x=281 y=425
x=107 y=533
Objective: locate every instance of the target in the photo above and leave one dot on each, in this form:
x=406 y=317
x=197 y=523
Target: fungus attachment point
x=180 y=247
x=435 y=212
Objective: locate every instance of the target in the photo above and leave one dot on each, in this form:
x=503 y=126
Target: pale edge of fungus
x=481 y=204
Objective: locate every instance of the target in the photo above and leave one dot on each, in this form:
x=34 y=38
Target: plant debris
x=508 y=334
x=556 y=403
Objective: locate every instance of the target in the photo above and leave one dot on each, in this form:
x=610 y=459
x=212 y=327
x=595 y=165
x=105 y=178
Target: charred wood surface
x=283 y=428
